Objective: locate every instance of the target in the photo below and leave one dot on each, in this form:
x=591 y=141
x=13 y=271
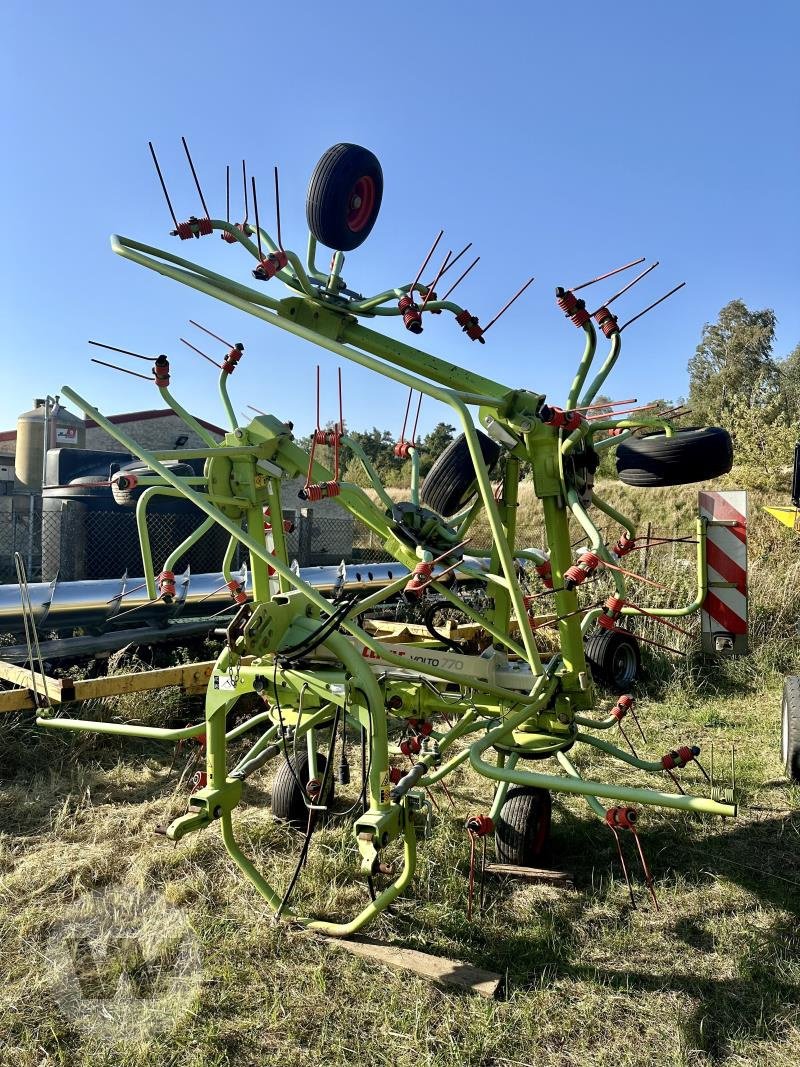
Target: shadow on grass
x=754 y=1004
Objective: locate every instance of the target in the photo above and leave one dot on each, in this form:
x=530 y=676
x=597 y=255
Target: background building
x=57 y=511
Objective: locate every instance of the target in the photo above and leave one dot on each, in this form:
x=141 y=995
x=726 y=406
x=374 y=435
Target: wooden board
x=16 y=700
x=24 y=678
x=532 y=874
x=439 y=969
x=191 y=677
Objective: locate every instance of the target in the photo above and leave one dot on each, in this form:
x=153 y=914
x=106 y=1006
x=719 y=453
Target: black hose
x=301 y=859
x=313 y=641
x=427 y=618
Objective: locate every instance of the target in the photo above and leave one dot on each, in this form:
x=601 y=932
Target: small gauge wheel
x=344 y=197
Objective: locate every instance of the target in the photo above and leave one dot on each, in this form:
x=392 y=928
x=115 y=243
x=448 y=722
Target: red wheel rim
x=360 y=204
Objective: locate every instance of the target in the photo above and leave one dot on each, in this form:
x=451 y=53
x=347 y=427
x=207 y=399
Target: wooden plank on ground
x=439 y=969
x=532 y=874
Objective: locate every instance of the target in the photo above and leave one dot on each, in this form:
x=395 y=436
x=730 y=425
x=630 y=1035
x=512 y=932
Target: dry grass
x=712 y=978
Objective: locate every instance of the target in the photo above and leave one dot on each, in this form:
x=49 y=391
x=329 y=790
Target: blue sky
x=561 y=139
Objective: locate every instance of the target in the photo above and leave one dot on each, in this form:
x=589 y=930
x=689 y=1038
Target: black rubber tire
x=522 y=831
x=288 y=799
x=344 y=172
x=691 y=455
x=614 y=659
x=790 y=727
x=127 y=498
x=451 y=482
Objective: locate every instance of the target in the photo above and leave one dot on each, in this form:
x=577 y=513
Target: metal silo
x=47 y=425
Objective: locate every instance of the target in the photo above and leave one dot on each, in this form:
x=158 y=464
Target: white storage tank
x=47 y=425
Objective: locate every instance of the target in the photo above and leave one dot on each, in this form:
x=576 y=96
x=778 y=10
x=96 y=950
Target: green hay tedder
x=327 y=667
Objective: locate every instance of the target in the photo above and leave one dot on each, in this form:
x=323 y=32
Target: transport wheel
x=690 y=455
x=790 y=727
x=522 y=831
x=124 y=483
x=450 y=483
x=614 y=658
x=344 y=196
x=288 y=797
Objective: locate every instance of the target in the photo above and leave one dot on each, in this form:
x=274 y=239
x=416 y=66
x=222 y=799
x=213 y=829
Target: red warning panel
x=724 y=610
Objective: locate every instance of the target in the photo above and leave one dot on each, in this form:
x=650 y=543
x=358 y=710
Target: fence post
x=305 y=530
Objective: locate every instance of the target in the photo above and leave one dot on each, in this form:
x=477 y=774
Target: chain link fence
x=77 y=543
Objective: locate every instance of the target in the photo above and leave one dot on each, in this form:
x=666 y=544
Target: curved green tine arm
x=122 y=729
x=584 y=365
x=603 y=373
x=144 y=535
x=302 y=277
x=227 y=559
x=192 y=539
x=619 y=582
x=635 y=423
x=584 y=787
x=372 y=474
x=589 y=429
x=651 y=766
x=702 y=583
x=571 y=769
x=415 y=477
x=311 y=259
x=226 y=400
x=285 y=275
x=296 y=273
x=595 y=724
x=612 y=513
x=596 y=541
x=372 y=304
x=611 y=442
x=144 y=538
x=184 y=415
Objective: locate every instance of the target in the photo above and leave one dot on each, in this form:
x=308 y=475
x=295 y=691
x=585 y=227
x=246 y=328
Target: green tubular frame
x=546 y=720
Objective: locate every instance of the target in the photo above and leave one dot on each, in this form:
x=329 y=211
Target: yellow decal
x=788 y=516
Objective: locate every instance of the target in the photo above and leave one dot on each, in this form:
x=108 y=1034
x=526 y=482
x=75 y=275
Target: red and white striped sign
x=724 y=610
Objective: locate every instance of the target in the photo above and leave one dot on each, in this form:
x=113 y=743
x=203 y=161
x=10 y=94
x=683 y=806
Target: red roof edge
x=132 y=416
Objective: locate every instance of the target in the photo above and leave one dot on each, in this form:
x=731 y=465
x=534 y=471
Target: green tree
x=789 y=371
x=733 y=365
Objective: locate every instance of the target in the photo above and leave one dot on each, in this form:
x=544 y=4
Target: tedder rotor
x=322 y=665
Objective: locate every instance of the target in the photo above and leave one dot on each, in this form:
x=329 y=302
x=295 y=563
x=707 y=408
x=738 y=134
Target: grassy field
x=713 y=977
